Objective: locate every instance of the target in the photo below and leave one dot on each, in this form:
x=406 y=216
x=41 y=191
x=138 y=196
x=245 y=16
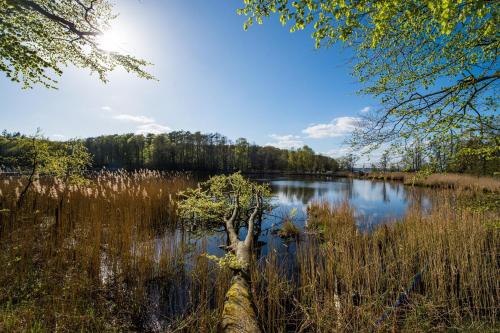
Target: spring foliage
x=214 y=200
x=36 y=155
x=38 y=38
x=433 y=64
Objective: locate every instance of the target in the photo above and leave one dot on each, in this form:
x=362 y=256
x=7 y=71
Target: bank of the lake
x=424 y=179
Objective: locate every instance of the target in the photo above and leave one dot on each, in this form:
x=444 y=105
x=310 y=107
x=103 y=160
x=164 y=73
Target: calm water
x=374 y=202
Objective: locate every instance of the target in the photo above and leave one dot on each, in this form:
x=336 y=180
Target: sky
x=265 y=84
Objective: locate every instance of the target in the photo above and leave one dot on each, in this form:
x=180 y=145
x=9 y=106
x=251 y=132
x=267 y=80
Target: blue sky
x=267 y=84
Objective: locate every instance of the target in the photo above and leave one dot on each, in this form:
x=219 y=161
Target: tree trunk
x=239 y=315
x=239 y=311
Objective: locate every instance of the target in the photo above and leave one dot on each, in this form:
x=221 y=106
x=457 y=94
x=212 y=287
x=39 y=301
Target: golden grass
x=80 y=258
x=110 y=257
x=442 y=180
x=347 y=279
x=289 y=230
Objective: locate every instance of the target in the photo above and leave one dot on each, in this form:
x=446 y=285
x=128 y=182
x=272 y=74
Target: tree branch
x=233 y=237
x=71 y=26
x=249 y=237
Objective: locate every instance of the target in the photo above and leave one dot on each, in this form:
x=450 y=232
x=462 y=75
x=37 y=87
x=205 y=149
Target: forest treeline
x=469 y=153
x=187 y=151
x=183 y=150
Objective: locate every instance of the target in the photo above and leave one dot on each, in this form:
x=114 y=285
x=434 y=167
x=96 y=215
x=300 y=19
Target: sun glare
x=112 y=41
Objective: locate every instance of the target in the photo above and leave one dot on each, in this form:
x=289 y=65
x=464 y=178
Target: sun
x=112 y=40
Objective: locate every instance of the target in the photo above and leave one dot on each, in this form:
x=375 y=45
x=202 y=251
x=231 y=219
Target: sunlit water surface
x=374 y=202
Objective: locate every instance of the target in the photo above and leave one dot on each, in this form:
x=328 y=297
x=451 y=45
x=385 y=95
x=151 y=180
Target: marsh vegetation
x=112 y=255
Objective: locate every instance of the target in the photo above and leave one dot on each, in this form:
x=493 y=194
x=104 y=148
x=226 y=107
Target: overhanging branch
x=71 y=26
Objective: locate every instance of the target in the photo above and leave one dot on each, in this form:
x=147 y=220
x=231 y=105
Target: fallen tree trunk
x=239 y=311
x=239 y=315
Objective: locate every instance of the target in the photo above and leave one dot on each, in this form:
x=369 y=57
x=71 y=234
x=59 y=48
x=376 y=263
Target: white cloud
x=286 y=141
x=144 y=125
x=106 y=108
x=152 y=128
x=339 y=152
x=366 y=109
x=338 y=127
x=135 y=119
x=366 y=158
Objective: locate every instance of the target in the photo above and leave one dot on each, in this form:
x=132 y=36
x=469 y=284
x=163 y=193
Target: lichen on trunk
x=239 y=311
x=239 y=315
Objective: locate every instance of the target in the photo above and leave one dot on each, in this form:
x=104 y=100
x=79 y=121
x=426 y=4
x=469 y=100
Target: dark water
x=374 y=202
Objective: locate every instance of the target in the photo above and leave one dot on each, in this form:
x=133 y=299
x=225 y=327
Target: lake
x=374 y=202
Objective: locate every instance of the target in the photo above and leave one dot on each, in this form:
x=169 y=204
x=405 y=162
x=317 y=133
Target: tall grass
x=109 y=256
x=81 y=258
x=441 y=180
x=348 y=281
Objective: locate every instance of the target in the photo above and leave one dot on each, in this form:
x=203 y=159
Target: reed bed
x=441 y=180
x=109 y=256
x=349 y=281
x=433 y=271
x=84 y=258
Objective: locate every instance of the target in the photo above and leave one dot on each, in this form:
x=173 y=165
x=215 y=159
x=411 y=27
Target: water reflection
x=373 y=201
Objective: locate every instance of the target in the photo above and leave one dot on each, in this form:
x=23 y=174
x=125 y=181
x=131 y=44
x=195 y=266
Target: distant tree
x=38 y=38
x=305 y=158
x=34 y=156
x=433 y=64
x=478 y=155
x=348 y=162
x=384 y=161
x=242 y=148
x=68 y=161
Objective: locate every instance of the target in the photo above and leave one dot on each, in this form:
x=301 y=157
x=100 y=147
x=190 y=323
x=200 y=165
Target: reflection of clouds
x=376 y=191
x=373 y=201
x=367 y=192
x=426 y=203
x=359 y=213
x=284 y=199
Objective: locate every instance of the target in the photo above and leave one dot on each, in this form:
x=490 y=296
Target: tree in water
x=234 y=203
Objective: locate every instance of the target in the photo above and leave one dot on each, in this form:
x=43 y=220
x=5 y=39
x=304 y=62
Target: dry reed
x=346 y=280
x=110 y=257
x=83 y=258
x=441 y=180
